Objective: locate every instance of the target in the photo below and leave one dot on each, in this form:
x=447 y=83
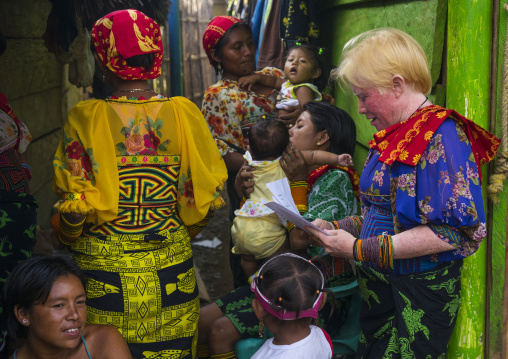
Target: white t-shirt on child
x=316 y=345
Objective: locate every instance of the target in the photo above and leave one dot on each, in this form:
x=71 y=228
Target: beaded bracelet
x=299 y=194
x=376 y=249
x=70 y=230
x=352 y=225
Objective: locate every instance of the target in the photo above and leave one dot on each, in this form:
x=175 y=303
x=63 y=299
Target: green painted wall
x=347 y=18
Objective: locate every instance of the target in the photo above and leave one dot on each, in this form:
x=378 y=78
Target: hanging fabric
x=271 y=50
x=299 y=22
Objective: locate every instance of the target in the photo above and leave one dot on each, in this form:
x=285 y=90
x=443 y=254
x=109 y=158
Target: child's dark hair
x=340 y=126
x=268 y=138
x=30 y=283
x=316 y=56
x=224 y=40
x=290 y=283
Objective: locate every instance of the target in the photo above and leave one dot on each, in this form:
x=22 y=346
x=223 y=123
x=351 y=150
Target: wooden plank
x=24 y=18
x=497 y=339
x=468 y=76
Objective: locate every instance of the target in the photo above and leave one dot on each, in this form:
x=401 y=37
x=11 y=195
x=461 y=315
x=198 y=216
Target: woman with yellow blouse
x=139 y=175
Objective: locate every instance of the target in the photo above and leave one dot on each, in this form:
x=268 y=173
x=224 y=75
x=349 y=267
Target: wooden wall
x=37 y=88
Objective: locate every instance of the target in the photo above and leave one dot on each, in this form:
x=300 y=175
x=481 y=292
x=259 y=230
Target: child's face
x=299 y=67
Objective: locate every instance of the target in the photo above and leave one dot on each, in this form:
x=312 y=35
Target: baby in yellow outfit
x=257 y=231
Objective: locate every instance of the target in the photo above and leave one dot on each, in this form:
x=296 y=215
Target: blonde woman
x=422 y=207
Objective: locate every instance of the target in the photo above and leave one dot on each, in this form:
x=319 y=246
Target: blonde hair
x=373 y=57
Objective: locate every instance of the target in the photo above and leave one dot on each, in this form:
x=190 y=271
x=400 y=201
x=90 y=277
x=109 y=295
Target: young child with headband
x=289 y=293
x=304 y=77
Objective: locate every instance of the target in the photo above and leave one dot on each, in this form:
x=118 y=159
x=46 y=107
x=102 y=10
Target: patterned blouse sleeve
x=214 y=110
x=25 y=139
x=444 y=191
x=85 y=165
x=332 y=197
x=202 y=169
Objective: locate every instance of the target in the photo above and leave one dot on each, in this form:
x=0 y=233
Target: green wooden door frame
x=469 y=40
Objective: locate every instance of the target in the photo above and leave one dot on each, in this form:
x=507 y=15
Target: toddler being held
x=257 y=231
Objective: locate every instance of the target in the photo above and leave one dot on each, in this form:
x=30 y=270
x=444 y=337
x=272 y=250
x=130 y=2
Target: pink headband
x=278 y=311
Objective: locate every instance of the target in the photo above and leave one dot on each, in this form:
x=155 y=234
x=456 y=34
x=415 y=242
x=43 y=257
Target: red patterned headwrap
x=214 y=32
x=126 y=33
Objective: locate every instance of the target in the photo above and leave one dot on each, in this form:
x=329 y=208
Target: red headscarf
x=214 y=32
x=126 y=33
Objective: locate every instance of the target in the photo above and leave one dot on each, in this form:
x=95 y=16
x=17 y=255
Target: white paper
x=294 y=218
x=282 y=194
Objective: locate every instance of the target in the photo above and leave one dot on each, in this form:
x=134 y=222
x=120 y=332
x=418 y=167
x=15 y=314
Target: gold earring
x=261 y=328
x=219 y=67
x=319 y=143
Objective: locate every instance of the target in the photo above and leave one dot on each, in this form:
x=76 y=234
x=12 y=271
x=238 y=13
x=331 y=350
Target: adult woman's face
x=60 y=321
x=379 y=108
x=238 y=54
x=303 y=134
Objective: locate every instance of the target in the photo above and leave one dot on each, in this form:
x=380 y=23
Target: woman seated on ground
x=45 y=303
x=331 y=195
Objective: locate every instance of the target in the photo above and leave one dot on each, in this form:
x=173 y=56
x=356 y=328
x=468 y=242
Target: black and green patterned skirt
x=18 y=221
x=408 y=316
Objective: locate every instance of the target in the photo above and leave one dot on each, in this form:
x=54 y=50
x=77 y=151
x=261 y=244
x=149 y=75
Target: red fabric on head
x=214 y=32
x=126 y=33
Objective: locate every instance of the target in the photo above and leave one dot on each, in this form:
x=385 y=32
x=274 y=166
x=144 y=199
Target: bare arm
x=299 y=240
x=290 y=115
x=416 y=242
x=244 y=185
x=247 y=82
x=304 y=94
x=319 y=158
x=234 y=162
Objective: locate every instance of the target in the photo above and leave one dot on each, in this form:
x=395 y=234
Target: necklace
x=135 y=90
x=419 y=107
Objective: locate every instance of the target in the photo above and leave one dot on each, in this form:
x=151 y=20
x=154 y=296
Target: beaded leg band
x=352 y=225
x=377 y=249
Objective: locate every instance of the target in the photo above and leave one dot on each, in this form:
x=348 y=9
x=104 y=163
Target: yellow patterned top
x=102 y=135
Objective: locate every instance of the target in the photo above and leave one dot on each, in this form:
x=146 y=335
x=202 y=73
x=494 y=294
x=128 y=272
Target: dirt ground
x=211 y=255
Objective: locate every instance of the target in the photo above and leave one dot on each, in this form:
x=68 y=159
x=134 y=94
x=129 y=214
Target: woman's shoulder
x=336 y=174
x=95 y=335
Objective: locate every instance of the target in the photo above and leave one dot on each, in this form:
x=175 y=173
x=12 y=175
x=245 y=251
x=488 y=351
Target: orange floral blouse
x=231 y=111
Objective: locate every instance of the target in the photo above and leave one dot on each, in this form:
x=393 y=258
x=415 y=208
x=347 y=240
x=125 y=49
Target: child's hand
x=345 y=160
x=247 y=82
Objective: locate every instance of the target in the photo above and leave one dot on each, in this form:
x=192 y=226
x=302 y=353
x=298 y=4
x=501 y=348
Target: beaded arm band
x=377 y=249
x=194 y=229
x=69 y=230
x=299 y=194
x=352 y=225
